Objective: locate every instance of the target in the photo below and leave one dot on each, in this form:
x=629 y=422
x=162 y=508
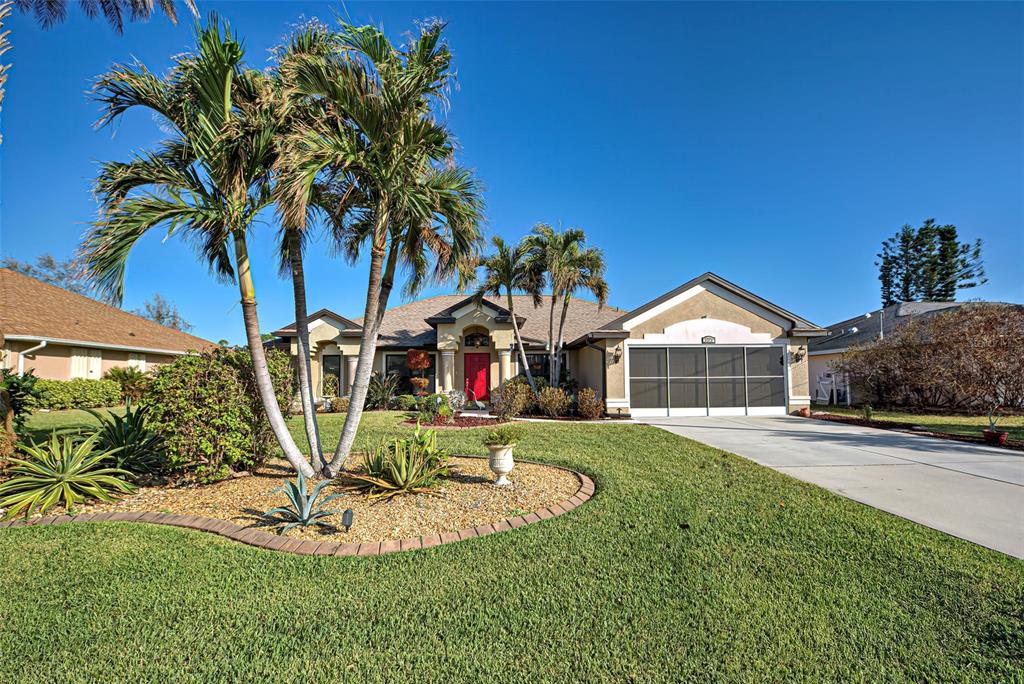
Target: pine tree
x=928 y=264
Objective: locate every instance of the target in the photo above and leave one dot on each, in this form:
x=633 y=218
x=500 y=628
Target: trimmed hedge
x=79 y=393
x=208 y=411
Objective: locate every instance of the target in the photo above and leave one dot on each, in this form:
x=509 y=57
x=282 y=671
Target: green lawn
x=41 y=424
x=688 y=565
x=955 y=425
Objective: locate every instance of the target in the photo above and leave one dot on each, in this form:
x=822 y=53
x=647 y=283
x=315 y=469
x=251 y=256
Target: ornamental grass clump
x=303 y=509
x=64 y=470
x=402 y=466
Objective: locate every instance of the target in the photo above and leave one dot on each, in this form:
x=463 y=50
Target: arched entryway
x=476 y=359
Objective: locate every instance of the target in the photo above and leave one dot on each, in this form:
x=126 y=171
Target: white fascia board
x=828 y=351
x=94 y=345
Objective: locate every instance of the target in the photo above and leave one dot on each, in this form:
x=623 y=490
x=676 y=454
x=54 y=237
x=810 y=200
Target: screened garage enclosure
x=707 y=380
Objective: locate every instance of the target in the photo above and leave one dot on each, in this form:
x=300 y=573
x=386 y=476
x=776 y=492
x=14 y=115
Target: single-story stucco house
x=61 y=335
x=708 y=347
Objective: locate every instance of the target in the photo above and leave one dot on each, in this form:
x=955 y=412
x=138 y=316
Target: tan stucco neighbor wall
x=710 y=305
x=799 y=395
x=53 y=361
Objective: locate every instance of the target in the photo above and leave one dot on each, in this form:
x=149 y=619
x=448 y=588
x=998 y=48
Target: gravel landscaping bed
x=466 y=499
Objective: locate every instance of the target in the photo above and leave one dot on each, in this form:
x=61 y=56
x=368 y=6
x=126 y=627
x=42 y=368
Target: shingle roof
x=406 y=325
x=865 y=328
x=33 y=308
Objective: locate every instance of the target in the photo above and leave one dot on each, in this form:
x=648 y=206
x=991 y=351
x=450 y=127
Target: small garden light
x=346 y=519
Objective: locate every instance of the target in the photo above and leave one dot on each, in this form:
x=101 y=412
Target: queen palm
x=417 y=206
x=206 y=183
x=578 y=268
x=506 y=270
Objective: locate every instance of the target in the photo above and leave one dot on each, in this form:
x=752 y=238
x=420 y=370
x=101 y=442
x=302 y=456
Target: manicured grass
x=688 y=565
x=40 y=424
x=954 y=425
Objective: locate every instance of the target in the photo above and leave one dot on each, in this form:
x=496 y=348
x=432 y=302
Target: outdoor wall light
x=346 y=519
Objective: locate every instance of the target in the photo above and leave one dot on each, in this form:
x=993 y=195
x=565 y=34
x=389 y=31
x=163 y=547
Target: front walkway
x=970 y=491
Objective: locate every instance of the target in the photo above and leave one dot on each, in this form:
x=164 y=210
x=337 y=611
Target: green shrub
x=553 y=402
x=380 y=395
x=66 y=470
x=131 y=380
x=330 y=385
x=208 y=411
x=23 y=392
x=502 y=435
x=406 y=402
x=402 y=466
x=339 y=404
x=80 y=393
x=512 y=399
x=589 y=404
x=134 y=446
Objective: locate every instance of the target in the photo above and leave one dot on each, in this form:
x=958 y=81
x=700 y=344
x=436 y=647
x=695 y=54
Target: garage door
x=700 y=381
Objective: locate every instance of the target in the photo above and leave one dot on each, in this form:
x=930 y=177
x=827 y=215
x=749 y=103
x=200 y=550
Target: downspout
x=23 y=353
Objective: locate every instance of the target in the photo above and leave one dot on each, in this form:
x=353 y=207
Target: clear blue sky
x=775 y=144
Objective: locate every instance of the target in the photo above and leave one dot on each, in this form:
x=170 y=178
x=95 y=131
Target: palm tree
x=206 y=183
x=51 y=12
x=416 y=206
x=580 y=268
x=509 y=269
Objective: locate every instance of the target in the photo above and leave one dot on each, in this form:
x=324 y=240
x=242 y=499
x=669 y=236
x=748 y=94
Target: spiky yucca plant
x=402 y=466
x=62 y=470
x=303 y=509
x=131 y=443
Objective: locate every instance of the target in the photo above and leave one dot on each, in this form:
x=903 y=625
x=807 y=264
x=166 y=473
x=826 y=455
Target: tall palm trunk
x=264 y=385
x=519 y=343
x=561 y=338
x=316 y=455
x=551 y=339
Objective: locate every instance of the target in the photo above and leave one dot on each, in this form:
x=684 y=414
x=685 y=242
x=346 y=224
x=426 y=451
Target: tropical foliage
x=570 y=267
x=303 y=509
x=381 y=140
x=63 y=470
x=205 y=183
x=48 y=13
x=402 y=466
x=23 y=395
x=209 y=414
x=132 y=444
x=132 y=381
x=381 y=392
x=502 y=435
x=77 y=393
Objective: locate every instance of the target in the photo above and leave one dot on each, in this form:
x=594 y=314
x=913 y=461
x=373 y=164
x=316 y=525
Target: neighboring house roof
x=800 y=325
x=32 y=309
x=289 y=330
x=866 y=328
x=409 y=325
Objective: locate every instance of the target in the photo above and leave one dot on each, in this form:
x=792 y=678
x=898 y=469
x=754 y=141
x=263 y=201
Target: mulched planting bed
x=459 y=422
x=1015 y=444
x=466 y=499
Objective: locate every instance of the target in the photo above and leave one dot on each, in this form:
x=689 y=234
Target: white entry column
x=504 y=365
x=350 y=372
x=447 y=370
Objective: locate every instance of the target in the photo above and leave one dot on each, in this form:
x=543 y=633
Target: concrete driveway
x=971 y=491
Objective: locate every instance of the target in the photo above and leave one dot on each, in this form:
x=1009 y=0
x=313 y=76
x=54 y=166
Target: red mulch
x=1015 y=444
x=459 y=422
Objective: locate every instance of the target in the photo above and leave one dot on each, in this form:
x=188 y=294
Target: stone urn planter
x=500 y=442
x=995 y=437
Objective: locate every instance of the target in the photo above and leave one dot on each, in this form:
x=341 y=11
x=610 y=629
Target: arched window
x=476 y=340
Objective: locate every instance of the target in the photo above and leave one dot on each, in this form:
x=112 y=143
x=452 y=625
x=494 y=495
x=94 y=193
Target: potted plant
x=500 y=441
x=417 y=361
x=993 y=436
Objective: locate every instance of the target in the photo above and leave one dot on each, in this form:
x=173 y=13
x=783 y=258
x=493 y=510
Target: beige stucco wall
x=53 y=361
x=588 y=368
x=799 y=395
x=710 y=305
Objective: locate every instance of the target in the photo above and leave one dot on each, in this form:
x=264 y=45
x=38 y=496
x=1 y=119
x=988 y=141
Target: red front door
x=478 y=381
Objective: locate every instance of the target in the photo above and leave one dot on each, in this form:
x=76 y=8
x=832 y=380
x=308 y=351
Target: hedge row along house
x=708 y=347
x=61 y=335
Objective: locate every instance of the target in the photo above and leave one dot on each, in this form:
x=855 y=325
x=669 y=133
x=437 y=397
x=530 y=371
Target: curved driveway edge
x=305 y=547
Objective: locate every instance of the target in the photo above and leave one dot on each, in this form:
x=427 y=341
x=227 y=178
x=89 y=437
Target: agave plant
x=133 y=446
x=303 y=509
x=64 y=470
x=402 y=466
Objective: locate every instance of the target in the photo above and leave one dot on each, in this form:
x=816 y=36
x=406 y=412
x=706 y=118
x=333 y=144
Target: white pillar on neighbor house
x=504 y=365
x=447 y=370
x=350 y=372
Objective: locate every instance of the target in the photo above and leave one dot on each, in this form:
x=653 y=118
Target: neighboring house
x=62 y=335
x=828 y=386
x=707 y=347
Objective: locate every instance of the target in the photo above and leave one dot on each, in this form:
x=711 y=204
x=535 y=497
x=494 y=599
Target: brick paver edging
x=275 y=542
